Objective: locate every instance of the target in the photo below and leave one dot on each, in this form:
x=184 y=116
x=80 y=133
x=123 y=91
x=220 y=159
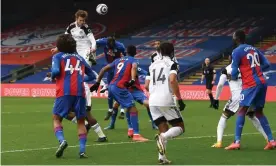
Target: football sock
x=98 y=130
x=239 y=126
x=59 y=133
x=258 y=126
x=134 y=122
x=162 y=157
x=265 y=125
x=172 y=132
x=82 y=141
x=221 y=127
x=110 y=103
x=211 y=98
x=128 y=120
x=122 y=110
x=110 y=110
x=113 y=117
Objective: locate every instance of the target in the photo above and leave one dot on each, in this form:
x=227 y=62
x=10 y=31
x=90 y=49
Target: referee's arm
x=214 y=76
x=203 y=76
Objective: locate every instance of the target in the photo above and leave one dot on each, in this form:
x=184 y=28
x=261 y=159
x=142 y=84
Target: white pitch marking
x=119 y=143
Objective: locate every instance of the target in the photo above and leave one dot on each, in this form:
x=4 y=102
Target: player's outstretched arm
x=222 y=80
x=103 y=70
x=175 y=87
x=147 y=81
x=89 y=34
x=134 y=71
x=89 y=73
x=95 y=87
x=55 y=67
x=133 y=75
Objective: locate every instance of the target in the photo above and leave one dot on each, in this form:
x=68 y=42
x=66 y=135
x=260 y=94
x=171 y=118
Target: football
x=102 y=9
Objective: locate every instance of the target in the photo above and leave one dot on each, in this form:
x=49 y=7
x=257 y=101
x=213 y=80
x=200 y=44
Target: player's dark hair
x=131 y=50
x=66 y=43
x=111 y=42
x=167 y=49
x=240 y=35
x=81 y=13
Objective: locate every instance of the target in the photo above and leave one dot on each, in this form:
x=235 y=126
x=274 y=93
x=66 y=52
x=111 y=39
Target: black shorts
x=209 y=84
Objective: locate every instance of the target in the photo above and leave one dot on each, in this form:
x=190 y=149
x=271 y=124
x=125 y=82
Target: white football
x=102 y=9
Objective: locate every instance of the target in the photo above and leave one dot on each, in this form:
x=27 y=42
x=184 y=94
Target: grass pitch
x=28 y=137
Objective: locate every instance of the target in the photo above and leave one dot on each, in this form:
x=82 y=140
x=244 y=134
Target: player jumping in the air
x=68 y=70
x=138 y=95
x=86 y=47
x=232 y=105
x=251 y=63
x=112 y=50
x=125 y=70
x=163 y=82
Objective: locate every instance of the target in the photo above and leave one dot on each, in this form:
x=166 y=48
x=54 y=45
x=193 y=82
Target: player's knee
x=132 y=109
x=91 y=120
x=57 y=118
x=177 y=122
x=242 y=111
x=227 y=113
x=160 y=120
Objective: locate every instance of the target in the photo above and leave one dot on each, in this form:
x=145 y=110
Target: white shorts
x=169 y=113
x=234 y=102
x=84 y=53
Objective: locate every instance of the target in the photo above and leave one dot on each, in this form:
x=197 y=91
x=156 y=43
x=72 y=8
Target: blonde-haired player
x=86 y=47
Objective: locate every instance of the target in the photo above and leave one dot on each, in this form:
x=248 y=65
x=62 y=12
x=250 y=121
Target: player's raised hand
x=95 y=87
x=216 y=104
x=181 y=104
x=129 y=83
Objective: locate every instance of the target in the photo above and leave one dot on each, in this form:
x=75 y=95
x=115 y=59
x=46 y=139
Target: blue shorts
x=122 y=96
x=63 y=105
x=139 y=96
x=254 y=96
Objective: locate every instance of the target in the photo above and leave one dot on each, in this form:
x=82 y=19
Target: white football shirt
x=159 y=87
x=234 y=85
x=83 y=36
